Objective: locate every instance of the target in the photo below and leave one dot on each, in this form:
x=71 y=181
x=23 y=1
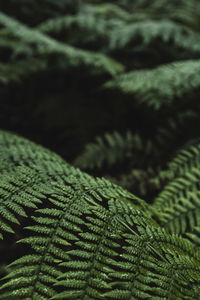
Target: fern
x=111 y=149
x=181 y=11
x=114 y=149
x=48 y=46
x=128 y=71
x=75 y=26
x=186 y=159
x=160 y=86
x=178 y=203
x=118 y=33
x=21 y=190
x=128 y=276
x=89 y=237
x=148 y=31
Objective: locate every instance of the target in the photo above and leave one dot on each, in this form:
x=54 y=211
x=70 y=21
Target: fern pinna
x=88 y=238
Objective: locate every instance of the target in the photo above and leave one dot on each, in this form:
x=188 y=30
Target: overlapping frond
x=142 y=252
x=144 y=33
x=179 y=202
x=20 y=190
x=95 y=29
x=182 y=11
x=139 y=270
x=186 y=159
x=114 y=148
x=116 y=33
x=55 y=228
x=83 y=237
x=110 y=149
x=57 y=224
x=18 y=151
x=45 y=46
x=75 y=234
x=161 y=86
x=90 y=239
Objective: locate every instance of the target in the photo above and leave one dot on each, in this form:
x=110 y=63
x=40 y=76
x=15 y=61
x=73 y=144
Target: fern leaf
x=20 y=190
x=47 y=45
x=92 y=239
x=185 y=159
x=160 y=86
x=166 y=30
x=18 y=151
x=114 y=148
x=128 y=277
x=97 y=29
x=179 y=201
x=47 y=244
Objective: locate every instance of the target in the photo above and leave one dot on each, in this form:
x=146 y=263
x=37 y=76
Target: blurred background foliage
x=111 y=86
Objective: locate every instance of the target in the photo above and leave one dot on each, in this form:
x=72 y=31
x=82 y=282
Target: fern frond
x=179 y=201
x=56 y=230
x=151 y=30
x=127 y=278
x=182 y=11
x=181 y=216
x=18 y=48
x=18 y=151
x=133 y=280
x=20 y=190
x=18 y=70
x=108 y=11
x=110 y=149
x=194 y=236
x=101 y=189
x=73 y=27
x=92 y=239
x=185 y=159
x=46 y=45
x=114 y=148
x=161 y=86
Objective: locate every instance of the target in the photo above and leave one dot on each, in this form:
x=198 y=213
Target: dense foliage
x=88 y=238
x=113 y=88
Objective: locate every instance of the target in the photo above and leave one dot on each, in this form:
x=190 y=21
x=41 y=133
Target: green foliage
x=178 y=203
x=161 y=86
x=119 y=61
x=114 y=148
x=45 y=46
x=88 y=237
x=125 y=75
x=150 y=31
